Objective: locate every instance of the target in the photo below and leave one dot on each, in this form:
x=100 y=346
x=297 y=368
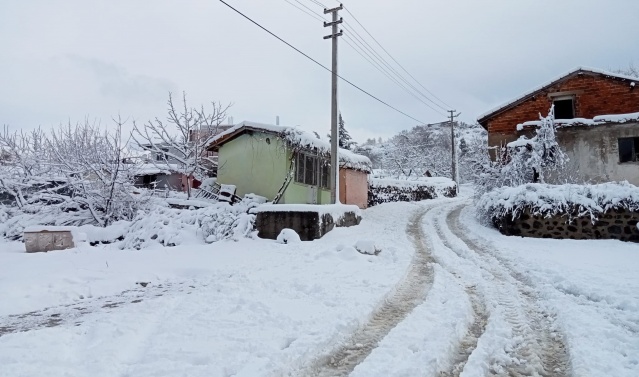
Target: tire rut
x=475 y=331
x=408 y=294
x=543 y=351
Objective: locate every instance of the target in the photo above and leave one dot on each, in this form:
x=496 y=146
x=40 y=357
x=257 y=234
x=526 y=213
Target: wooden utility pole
x=334 y=110
x=453 y=147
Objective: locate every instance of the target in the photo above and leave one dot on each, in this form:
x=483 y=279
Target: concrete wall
x=593 y=151
x=618 y=224
x=308 y=225
x=353 y=187
x=256 y=163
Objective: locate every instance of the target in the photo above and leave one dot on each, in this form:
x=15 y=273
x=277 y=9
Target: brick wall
x=594 y=95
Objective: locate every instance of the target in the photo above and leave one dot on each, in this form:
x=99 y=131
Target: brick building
x=597 y=116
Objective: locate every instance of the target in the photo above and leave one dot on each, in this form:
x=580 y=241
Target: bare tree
x=24 y=163
x=181 y=140
x=92 y=162
x=76 y=172
x=631 y=70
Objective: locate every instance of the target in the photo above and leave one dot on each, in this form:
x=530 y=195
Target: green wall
x=258 y=167
x=253 y=165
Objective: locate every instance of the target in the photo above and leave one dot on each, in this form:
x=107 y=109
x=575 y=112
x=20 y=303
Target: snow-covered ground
x=445 y=297
x=246 y=308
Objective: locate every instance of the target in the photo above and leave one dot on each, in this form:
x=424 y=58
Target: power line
x=383 y=61
x=311 y=13
x=378 y=62
x=318 y=63
x=391 y=56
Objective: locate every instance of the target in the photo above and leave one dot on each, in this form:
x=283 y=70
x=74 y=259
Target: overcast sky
x=67 y=60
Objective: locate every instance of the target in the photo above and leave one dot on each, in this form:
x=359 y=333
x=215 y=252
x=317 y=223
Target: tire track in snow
x=541 y=352
x=475 y=331
x=408 y=294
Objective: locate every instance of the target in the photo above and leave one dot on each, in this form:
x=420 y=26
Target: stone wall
x=619 y=224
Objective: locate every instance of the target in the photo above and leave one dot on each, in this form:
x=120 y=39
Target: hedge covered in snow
x=550 y=200
x=156 y=225
x=384 y=190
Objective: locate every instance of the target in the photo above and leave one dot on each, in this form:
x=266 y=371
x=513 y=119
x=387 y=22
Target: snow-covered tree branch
x=179 y=143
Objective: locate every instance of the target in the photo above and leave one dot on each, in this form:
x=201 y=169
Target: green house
x=287 y=165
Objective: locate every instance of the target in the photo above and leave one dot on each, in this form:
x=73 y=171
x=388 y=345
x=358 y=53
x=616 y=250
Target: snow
x=553 y=199
x=187 y=203
x=300 y=138
x=246 y=308
x=287 y=236
x=366 y=247
x=550 y=82
x=576 y=122
x=493 y=305
x=155 y=169
x=42 y=228
x=593 y=288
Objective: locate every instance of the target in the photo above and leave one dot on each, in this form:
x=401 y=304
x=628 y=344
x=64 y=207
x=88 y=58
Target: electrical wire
x=377 y=57
x=318 y=63
x=395 y=60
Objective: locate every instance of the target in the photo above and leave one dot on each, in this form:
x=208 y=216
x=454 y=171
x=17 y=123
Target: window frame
x=570 y=98
x=320 y=170
x=634 y=149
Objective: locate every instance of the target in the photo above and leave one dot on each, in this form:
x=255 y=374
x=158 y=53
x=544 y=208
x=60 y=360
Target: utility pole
x=453 y=147
x=334 y=133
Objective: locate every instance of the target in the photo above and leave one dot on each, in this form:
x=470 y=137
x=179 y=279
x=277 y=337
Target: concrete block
x=48 y=240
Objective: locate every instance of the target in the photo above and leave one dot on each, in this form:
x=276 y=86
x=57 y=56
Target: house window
x=162 y=156
x=311 y=168
x=564 y=108
x=628 y=149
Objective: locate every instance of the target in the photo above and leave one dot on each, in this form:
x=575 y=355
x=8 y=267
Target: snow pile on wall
x=550 y=200
x=303 y=139
x=576 y=122
x=384 y=190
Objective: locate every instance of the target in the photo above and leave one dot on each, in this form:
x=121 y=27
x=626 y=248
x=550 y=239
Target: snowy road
x=446 y=297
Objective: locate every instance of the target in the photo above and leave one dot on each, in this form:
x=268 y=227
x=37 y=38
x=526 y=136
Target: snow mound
x=367 y=247
x=549 y=200
x=287 y=236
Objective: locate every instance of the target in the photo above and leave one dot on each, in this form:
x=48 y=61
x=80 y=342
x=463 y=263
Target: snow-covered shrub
x=171 y=226
x=400 y=190
x=550 y=200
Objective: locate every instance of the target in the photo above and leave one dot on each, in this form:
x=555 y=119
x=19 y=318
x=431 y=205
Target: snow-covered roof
x=579 y=122
x=153 y=169
x=296 y=137
x=529 y=93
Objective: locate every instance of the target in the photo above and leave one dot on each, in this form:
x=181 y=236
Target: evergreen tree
x=345 y=141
